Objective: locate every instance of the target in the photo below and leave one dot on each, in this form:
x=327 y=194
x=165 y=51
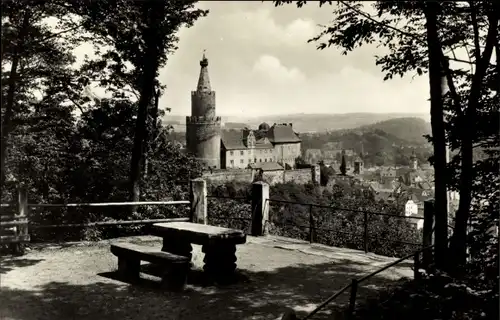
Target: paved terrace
x=75 y=281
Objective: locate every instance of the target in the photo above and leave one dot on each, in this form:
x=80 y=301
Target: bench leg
x=175 y=277
x=17 y=249
x=220 y=262
x=129 y=269
x=177 y=247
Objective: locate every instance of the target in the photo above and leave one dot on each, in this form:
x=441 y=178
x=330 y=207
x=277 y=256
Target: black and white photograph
x=250 y=160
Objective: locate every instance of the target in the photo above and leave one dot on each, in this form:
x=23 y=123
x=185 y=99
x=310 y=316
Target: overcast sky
x=260 y=63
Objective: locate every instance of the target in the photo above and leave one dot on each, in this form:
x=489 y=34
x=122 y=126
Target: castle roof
x=204 y=79
x=282 y=133
x=233 y=140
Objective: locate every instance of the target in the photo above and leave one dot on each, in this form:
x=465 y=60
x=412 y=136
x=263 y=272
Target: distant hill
x=333 y=122
x=386 y=142
x=311 y=122
x=408 y=129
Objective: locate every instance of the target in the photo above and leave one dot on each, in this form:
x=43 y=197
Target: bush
x=333 y=227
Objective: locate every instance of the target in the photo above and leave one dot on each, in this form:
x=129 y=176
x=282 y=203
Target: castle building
x=234 y=149
x=278 y=143
x=203 y=127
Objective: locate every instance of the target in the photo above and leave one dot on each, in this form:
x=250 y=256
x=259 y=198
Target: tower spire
x=204 y=80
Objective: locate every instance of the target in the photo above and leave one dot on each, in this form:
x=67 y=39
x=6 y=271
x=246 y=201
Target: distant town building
x=358 y=165
x=411 y=208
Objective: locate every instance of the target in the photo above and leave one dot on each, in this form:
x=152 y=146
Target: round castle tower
x=203 y=127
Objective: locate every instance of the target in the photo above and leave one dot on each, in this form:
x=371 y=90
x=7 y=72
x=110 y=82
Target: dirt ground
x=77 y=282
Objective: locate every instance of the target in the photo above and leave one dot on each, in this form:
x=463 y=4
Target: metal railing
x=355 y=283
x=228 y=219
x=366 y=213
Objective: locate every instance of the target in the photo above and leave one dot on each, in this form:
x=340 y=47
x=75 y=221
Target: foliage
x=336 y=225
x=425 y=37
x=63 y=146
x=343 y=165
x=325 y=174
x=436 y=296
x=378 y=147
x=470 y=104
x=411 y=130
x=142 y=35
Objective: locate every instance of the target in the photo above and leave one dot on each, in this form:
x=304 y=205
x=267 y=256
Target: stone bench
x=130 y=255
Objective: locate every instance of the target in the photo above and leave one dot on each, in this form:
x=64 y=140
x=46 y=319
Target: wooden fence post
x=260 y=208
x=427 y=238
x=198 y=199
x=21 y=216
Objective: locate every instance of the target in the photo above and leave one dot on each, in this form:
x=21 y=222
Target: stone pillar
x=260 y=208
x=198 y=199
x=316 y=174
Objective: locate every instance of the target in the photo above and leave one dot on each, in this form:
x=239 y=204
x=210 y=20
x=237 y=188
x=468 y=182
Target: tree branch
x=475 y=28
x=413 y=36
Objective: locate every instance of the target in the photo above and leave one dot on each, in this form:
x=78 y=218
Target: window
x=231 y=153
x=242 y=160
x=260 y=160
x=232 y=162
x=249 y=160
x=265 y=160
x=242 y=152
x=265 y=151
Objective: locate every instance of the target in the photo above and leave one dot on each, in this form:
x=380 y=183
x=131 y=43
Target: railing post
x=311 y=224
x=416 y=266
x=365 y=233
x=260 y=208
x=427 y=232
x=352 y=299
x=198 y=199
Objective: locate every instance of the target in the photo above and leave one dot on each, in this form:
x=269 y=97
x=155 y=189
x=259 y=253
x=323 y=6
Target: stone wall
x=299 y=176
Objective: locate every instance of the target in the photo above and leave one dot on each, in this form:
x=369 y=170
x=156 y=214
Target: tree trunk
x=458 y=247
x=154 y=131
x=9 y=106
x=438 y=135
x=149 y=74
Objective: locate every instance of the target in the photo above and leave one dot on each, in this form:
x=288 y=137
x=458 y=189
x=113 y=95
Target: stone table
x=218 y=244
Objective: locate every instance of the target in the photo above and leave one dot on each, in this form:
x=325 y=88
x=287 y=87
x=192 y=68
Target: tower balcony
x=203 y=119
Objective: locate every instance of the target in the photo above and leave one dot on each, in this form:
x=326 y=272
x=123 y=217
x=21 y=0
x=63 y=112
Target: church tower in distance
x=203 y=127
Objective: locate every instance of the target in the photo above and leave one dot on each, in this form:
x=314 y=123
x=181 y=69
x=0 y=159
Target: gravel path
x=76 y=282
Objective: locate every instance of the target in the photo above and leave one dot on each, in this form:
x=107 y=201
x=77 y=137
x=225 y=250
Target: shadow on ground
x=259 y=295
x=9 y=263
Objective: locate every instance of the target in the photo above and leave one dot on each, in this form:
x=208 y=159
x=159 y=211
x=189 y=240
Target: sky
x=261 y=64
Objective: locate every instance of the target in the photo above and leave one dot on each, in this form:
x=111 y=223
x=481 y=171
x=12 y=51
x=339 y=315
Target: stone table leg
x=178 y=247
x=220 y=262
